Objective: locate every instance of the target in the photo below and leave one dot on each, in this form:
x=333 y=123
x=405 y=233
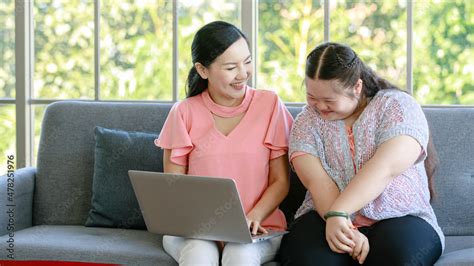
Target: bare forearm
x=391 y=159
x=270 y=199
x=322 y=188
x=324 y=200
x=367 y=185
x=277 y=189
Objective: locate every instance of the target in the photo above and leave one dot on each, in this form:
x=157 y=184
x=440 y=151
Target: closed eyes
x=232 y=68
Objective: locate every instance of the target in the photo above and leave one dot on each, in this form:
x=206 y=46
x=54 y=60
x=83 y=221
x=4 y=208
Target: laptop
x=193 y=206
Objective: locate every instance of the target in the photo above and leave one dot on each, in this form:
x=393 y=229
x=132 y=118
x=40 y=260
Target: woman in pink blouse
x=226 y=129
x=360 y=147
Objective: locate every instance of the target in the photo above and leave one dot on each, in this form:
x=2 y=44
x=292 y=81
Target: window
x=8 y=133
x=443 y=68
x=126 y=50
x=7 y=49
x=288 y=31
x=63 y=49
x=7 y=82
x=136 y=50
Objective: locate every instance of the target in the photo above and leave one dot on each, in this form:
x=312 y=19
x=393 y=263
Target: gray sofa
x=53 y=200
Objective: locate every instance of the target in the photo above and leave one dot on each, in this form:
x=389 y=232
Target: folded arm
x=313 y=176
x=323 y=192
x=391 y=159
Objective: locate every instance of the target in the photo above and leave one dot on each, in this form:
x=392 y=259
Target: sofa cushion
x=65 y=165
x=113 y=200
x=88 y=244
x=455 y=243
x=457 y=258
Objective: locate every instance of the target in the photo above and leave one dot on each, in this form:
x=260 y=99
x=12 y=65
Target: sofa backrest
x=66 y=160
x=452 y=130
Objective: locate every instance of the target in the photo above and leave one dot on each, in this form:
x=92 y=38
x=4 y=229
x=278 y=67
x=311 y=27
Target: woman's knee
x=251 y=254
x=199 y=251
x=240 y=254
x=406 y=240
x=306 y=244
x=191 y=251
x=292 y=250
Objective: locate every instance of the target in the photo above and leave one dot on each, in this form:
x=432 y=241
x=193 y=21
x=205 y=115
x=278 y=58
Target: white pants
x=205 y=252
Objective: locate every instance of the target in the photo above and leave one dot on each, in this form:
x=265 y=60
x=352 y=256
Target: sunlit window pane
x=8 y=133
x=7 y=49
x=192 y=15
x=443 y=70
x=136 y=50
x=288 y=31
x=64 y=49
x=377 y=31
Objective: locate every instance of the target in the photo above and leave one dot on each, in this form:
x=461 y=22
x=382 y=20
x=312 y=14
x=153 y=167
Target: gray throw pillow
x=114 y=203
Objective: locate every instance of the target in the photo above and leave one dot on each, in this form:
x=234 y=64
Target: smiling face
x=331 y=100
x=228 y=74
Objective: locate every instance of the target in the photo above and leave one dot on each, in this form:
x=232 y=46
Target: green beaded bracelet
x=336 y=213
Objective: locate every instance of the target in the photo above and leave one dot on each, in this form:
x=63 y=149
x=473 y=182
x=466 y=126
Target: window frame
x=24 y=66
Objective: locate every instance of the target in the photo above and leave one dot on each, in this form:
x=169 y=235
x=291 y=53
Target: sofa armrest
x=16 y=200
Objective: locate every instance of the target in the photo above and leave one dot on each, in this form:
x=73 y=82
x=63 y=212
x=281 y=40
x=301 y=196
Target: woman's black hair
x=334 y=61
x=209 y=42
x=337 y=61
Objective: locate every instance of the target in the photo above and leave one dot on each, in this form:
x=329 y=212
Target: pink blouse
x=243 y=155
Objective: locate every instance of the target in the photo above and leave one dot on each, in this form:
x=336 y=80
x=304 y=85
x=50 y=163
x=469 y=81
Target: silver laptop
x=193 y=206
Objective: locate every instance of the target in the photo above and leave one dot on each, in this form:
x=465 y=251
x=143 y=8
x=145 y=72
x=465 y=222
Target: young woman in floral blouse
x=360 y=147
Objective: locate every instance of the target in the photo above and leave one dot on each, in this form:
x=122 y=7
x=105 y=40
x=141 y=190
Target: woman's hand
x=340 y=234
x=361 y=248
x=253 y=222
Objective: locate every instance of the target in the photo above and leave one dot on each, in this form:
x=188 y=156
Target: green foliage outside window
x=7 y=49
x=7 y=81
x=64 y=49
x=443 y=69
x=136 y=50
x=289 y=30
x=443 y=38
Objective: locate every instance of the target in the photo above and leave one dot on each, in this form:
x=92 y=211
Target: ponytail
x=431 y=166
x=195 y=84
x=372 y=83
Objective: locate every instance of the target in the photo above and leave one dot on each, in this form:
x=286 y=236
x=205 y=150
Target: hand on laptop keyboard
x=259 y=233
x=255 y=227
